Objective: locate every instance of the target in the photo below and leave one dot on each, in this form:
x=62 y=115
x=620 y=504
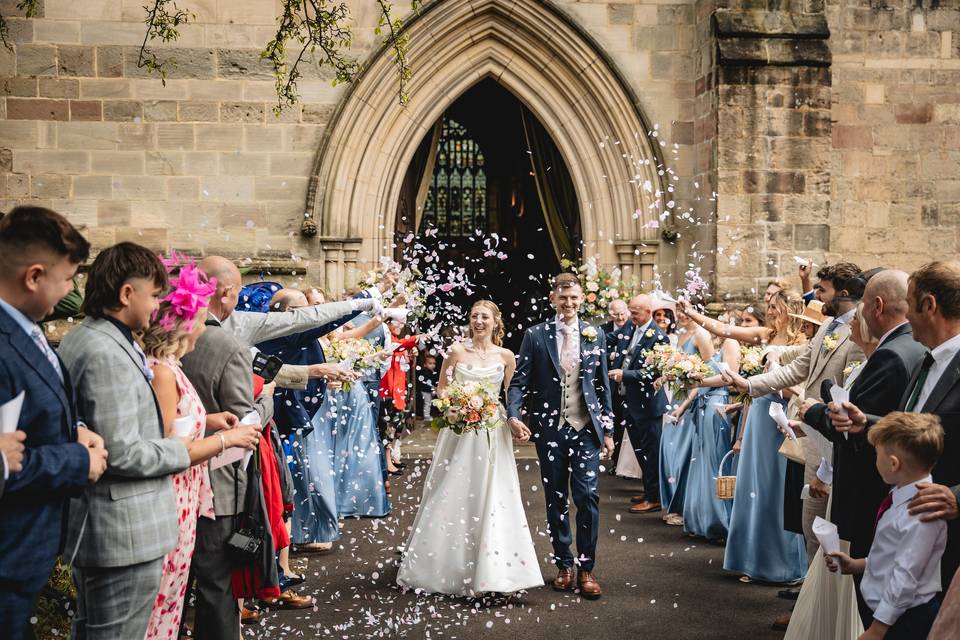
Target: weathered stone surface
x=36 y=60
x=770 y=23
x=770 y=51
x=243 y=63
x=76 y=61
x=37 y=109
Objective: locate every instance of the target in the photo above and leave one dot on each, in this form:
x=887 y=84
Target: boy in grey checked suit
x=123 y=526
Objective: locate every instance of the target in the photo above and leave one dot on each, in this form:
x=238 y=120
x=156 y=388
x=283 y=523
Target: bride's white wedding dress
x=470 y=535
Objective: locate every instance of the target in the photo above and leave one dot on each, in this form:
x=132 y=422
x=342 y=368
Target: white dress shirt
x=942 y=356
x=638 y=335
x=903 y=568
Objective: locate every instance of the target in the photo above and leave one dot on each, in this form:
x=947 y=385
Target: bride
x=470 y=535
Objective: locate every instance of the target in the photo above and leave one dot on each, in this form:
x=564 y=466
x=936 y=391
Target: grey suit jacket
x=221 y=370
x=253 y=328
x=812 y=366
x=130 y=515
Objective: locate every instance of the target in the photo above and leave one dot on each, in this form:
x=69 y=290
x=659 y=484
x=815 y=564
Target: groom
x=562 y=372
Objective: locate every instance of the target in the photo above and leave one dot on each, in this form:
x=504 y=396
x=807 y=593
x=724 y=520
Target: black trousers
x=645 y=438
x=16 y=609
x=914 y=624
x=619 y=426
x=217 y=615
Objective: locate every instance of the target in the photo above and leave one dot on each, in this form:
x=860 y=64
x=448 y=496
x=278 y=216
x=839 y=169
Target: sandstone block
x=852 y=137
x=175 y=136
x=46 y=161
x=140 y=187
x=241 y=112
x=57 y=88
x=37 y=109
x=155 y=239
x=243 y=64
x=201 y=163
x=181 y=62
x=913 y=113
x=57 y=31
x=117 y=162
x=281 y=188
x=19 y=87
x=183 y=188
x=226 y=189
x=36 y=60
x=86 y=110
x=18 y=134
x=160 y=111
x=95 y=88
x=93 y=188
x=76 y=61
x=243 y=164
x=219 y=137
x=85 y=136
x=191 y=111
x=317 y=113
x=291 y=164
x=110 y=61
x=812 y=237
x=137 y=136
x=122 y=110
x=50 y=186
x=264 y=139
x=163 y=163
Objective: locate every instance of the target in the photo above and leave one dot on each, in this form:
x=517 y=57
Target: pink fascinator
x=190 y=292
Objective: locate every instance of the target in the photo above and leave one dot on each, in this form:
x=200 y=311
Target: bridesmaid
x=676 y=441
x=758 y=546
x=358 y=455
x=172 y=334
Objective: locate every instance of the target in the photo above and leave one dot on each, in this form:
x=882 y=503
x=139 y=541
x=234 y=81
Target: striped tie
x=44 y=346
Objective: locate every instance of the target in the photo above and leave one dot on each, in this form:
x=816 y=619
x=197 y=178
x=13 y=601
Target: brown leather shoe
x=638 y=499
x=249 y=616
x=564 y=581
x=781 y=622
x=645 y=507
x=589 y=587
x=290 y=600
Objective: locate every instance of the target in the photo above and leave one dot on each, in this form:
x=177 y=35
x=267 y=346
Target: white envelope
x=10 y=413
x=183 y=427
x=840 y=395
x=827 y=535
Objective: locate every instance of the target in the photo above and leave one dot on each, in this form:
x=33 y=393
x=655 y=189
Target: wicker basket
x=725 y=484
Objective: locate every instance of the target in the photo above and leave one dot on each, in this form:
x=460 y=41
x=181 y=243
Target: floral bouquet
x=354 y=354
x=751 y=364
x=466 y=407
x=681 y=369
x=600 y=287
x=410 y=284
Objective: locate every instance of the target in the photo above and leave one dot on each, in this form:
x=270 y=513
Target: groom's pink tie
x=568 y=352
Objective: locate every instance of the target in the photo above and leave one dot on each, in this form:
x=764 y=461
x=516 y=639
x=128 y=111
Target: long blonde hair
x=496 y=336
x=787 y=302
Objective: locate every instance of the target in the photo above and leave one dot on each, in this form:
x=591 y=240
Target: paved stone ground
x=657 y=583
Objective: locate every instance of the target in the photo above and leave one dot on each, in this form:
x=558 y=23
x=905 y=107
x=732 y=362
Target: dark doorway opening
x=482 y=206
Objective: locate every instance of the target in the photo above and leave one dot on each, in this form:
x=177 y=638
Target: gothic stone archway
x=541 y=56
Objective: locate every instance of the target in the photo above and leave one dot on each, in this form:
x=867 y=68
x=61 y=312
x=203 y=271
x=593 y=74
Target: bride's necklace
x=483 y=355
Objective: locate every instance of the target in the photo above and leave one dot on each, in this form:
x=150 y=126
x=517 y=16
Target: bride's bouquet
x=468 y=406
x=751 y=364
x=680 y=369
x=354 y=354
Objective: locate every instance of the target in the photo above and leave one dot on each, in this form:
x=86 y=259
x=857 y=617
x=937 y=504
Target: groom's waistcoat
x=573 y=407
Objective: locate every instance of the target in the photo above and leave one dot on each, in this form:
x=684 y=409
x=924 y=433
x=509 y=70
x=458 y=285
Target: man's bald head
x=618 y=312
x=641 y=309
x=885 y=301
x=224 y=301
x=287 y=299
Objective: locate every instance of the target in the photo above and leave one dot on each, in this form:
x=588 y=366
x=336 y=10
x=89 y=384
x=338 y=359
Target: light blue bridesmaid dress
x=676 y=445
x=357 y=453
x=757 y=544
x=315 y=502
x=704 y=514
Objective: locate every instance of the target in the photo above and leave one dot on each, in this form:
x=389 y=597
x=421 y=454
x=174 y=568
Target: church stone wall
x=855 y=158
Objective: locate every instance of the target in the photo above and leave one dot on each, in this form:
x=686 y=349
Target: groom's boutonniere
x=589 y=334
x=830 y=342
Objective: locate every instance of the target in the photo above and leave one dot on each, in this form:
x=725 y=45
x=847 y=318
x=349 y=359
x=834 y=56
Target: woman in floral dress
x=172 y=334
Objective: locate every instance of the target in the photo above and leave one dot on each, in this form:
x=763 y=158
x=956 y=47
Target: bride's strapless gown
x=470 y=535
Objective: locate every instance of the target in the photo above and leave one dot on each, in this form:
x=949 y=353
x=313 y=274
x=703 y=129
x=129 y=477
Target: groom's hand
x=608 y=447
x=519 y=430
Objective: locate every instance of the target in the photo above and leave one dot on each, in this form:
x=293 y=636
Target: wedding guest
x=666 y=319
x=830 y=352
x=617 y=316
x=173 y=333
x=758 y=546
x=933 y=310
x=901 y=574
x=220 y=368
x=775 y=286
x=314 y=519
x=676 y=440
x=644 y=405
x=393 y=390
x=47 y=459
x=126 y=523
x=428 y=377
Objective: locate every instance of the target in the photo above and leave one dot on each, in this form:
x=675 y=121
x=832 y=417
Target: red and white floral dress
x=194 y=499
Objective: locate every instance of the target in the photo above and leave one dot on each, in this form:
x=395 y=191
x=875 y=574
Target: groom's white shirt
x=575 y=335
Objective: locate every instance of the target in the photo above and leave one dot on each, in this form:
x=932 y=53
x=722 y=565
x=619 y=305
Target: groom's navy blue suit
x=569 y=460
x=644 y=405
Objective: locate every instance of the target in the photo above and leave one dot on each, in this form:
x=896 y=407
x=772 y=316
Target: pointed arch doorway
x=546 y=60
x=488 y=188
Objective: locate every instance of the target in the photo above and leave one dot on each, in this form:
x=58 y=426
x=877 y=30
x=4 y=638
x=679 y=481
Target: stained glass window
x=456 y=202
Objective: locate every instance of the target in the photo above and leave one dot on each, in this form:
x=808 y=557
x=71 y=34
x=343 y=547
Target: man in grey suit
x=123 y=526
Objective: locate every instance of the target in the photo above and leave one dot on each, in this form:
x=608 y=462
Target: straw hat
x=813 y=313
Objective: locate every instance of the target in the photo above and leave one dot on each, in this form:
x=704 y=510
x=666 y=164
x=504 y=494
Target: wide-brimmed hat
x=661 y=300
x=813 y=312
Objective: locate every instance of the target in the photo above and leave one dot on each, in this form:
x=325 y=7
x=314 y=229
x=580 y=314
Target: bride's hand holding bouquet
x=468 y=407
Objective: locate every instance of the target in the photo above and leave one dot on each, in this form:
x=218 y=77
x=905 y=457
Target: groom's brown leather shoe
x=645 y=507
x=638 y=499
x=564 y=581
x=589 y=587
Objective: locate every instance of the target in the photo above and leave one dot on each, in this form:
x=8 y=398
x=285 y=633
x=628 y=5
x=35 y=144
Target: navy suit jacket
x=293 y=409
x=55 y=466
x=642 y=400
x=538 y=380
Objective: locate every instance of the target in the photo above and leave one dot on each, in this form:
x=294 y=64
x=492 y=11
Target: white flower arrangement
x=589 y=334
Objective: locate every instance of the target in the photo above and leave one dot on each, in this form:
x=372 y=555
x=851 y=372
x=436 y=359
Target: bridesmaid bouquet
x=751 y=364
x=681 y=369
x=354 y=354
x=469 y=406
